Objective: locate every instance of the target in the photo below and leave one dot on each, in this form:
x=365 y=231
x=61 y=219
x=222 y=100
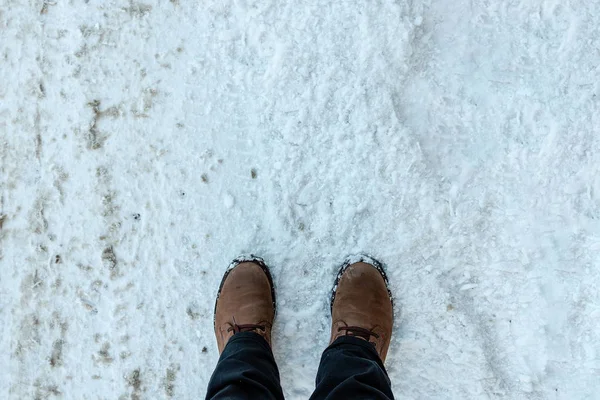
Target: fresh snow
x=144 y=145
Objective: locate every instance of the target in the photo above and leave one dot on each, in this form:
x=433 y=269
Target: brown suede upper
x=245 y=301
x=362 y=301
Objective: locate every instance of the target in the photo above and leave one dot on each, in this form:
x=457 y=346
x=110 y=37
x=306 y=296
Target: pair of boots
x=361 y=304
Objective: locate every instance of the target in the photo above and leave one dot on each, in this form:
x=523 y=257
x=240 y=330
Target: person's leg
x=362 y=320
x=351 y=369
x=246 y=370
x=244 y=314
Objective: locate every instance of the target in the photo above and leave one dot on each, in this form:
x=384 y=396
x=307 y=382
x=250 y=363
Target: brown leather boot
x=245 y=302
x=361 y=305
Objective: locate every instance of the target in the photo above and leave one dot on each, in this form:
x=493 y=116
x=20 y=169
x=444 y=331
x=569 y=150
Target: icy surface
x=144 y=145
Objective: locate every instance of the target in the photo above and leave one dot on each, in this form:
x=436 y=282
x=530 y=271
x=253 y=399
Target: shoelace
x=358 y=331
x=246 y=328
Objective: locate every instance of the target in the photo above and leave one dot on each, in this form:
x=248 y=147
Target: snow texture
x=144 y=145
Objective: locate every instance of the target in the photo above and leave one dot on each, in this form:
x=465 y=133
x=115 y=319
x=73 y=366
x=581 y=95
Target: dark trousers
x=350 y=369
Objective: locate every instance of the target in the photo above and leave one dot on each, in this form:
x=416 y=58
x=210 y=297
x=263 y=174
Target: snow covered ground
x=146 y=144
